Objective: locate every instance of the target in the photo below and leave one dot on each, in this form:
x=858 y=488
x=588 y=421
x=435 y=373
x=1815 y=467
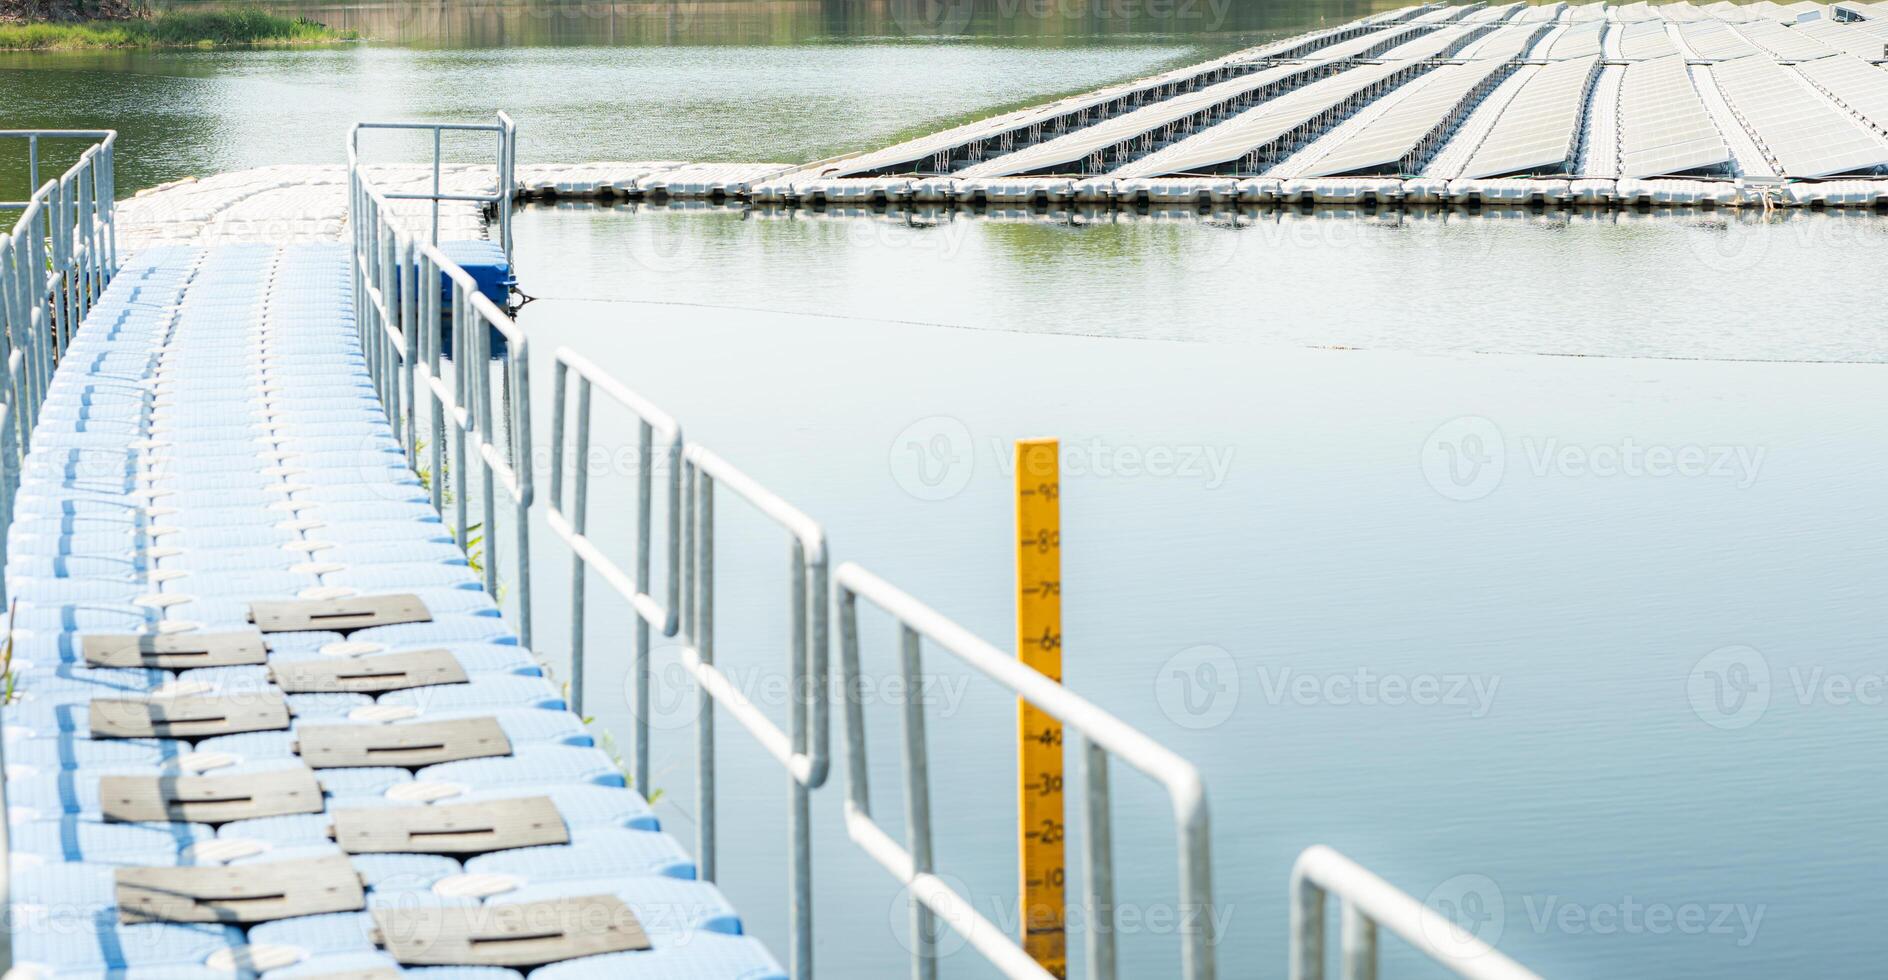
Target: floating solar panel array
x=1665 y=128
x=942 y=151
x=1687 y=89
x=1401 y=140
x=1801 y=132
x=1539 y=132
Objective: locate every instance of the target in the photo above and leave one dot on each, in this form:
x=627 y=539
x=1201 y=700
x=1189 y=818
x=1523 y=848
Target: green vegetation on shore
x=248 y=26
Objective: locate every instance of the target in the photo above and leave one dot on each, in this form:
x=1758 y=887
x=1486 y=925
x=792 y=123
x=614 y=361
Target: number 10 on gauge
x=1039 y=645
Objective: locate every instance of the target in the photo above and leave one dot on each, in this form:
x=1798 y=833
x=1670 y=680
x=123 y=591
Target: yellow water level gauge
x=1039 y=759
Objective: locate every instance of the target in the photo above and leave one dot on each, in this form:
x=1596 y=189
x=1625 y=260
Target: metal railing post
x=1098 y=864
x=702 y=629
x=579 y=514
x=639 y=667
x=917 y=805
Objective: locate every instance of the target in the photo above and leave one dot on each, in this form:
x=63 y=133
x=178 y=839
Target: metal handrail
x=692 y=474
x=1367 y=901
x=653 y=424
x=505 y=178
x=803 y=751
x=1103 y=735
x=55 y=262
x=400 y=309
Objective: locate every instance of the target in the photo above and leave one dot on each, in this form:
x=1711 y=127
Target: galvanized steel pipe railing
x=691 y=475
x=803 y=750
x=1366 y=902
x=54 y=264
x=411 y=301
x=60 y=255
x=1103 y=736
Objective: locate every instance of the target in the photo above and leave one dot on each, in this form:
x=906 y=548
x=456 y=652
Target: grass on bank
x=250 y=26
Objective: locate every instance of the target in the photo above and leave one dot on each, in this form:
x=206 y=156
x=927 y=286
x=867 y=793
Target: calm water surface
x=1265 y=531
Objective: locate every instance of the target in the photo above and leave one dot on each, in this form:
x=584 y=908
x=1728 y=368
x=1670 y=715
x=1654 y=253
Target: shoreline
x=250 y=27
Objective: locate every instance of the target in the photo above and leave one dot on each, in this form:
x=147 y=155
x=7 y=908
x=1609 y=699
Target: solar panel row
x=1664 y=127
x=1540 y=129
x=1644 y=40
x=1070 y=151
x=1582 y=40
x=1801 y=131
x=1787 y=43
x=1715 y=40
x=1853 y=83
x=1259 y=128
x=1399 y=141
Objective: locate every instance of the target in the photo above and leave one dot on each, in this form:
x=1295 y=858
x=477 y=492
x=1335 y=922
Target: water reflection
x=1434 y=280
x=506 y=23
x=192 y=113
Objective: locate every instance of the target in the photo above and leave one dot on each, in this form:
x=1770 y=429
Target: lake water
x=1336 y=527
x=1271 y=554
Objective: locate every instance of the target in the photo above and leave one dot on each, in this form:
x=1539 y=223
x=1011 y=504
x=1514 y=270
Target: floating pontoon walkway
x=270 y=721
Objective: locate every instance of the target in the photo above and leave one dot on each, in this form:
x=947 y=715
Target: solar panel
x=1725 y=10
x=1664 y=128
x=1540 y=129
x=1634 y=12
x=1855 y=84
x=1504 y=43
x=1801 y=132
x=1436 y=44
x=1645 y=40
x=1582 y=40
x=1263 y=125
x=1714 y=40
x=1426 y=109
x=1787 y=43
